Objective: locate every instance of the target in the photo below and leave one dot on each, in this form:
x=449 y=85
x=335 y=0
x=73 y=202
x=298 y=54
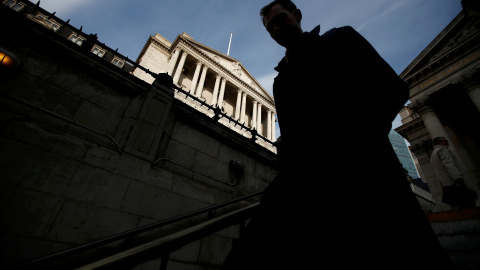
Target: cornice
x=451 y=54
x=432 y=45
x=162 y=46
x=182 y=41
x=421 y=148
x=151 y=40
x=415 y=124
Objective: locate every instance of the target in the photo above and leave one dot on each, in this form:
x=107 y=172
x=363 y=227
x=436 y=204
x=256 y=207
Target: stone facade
x=88 y=150
x=213 y=77
x=444 y=85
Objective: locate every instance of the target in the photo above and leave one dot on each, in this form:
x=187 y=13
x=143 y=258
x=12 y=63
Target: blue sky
x=398 y=29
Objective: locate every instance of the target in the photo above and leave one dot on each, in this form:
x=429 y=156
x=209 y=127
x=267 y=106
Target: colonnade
x=218 y=95
x=434 y=127
x=432 y=123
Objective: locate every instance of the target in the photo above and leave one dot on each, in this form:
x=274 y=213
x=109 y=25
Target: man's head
x=440 y=141
x=282 y=20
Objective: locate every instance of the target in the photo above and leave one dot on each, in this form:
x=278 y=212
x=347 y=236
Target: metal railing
x=218 y=114
x=164 y=244
x=162 y=247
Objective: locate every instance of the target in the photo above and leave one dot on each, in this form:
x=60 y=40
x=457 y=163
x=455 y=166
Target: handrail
x=126 y=234
x=156 y=248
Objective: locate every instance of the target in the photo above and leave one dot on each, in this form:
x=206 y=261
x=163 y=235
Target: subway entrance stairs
x=458 y=232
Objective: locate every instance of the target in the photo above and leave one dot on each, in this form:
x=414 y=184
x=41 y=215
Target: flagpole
x=231 y=34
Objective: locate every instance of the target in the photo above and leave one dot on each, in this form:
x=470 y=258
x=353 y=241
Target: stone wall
x=87 y=150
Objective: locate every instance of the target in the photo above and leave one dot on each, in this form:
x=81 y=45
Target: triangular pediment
x=443 y=48
x=232 y=65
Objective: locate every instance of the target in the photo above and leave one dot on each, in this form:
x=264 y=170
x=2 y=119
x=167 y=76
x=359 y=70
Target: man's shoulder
x=344 y=30
x=440 y=151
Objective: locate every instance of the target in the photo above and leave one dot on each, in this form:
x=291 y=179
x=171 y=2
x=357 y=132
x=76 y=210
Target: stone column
x=273 y=127
x=473 y=90
x=269 y=125
x=222 y=92
x=195 y=78
x=429 y=117
x=179 y=68
x=242 y=110
x=259 y=118
x=202 y=82
x=215 y=90
x=173 y=61
x=237 y=106
x=254 y=116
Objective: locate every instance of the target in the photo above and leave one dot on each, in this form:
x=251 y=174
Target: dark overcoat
x=341 y=197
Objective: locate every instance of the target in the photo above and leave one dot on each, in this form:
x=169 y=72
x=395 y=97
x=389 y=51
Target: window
x=98 y=51
x=118 y=62
x=76 y=39
x=14 y=5
x=49 y=23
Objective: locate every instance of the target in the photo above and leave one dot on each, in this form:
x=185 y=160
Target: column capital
x=420 y=106
x=180 y=47
x=421 y=148
x=470 y=83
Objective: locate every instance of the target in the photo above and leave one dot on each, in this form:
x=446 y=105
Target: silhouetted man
x=340 y=199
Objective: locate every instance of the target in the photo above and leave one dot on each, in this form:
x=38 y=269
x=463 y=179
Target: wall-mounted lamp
x=237 y=166
x=8 y=60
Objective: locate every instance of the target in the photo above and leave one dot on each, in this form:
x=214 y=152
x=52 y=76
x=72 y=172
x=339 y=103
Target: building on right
x=444 y=82
x=403 y=153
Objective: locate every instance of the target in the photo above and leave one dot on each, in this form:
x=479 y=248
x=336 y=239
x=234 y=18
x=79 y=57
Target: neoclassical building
x=444 y=83
x=215 y=79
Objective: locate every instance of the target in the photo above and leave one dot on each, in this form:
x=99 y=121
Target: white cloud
x=391 y=9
